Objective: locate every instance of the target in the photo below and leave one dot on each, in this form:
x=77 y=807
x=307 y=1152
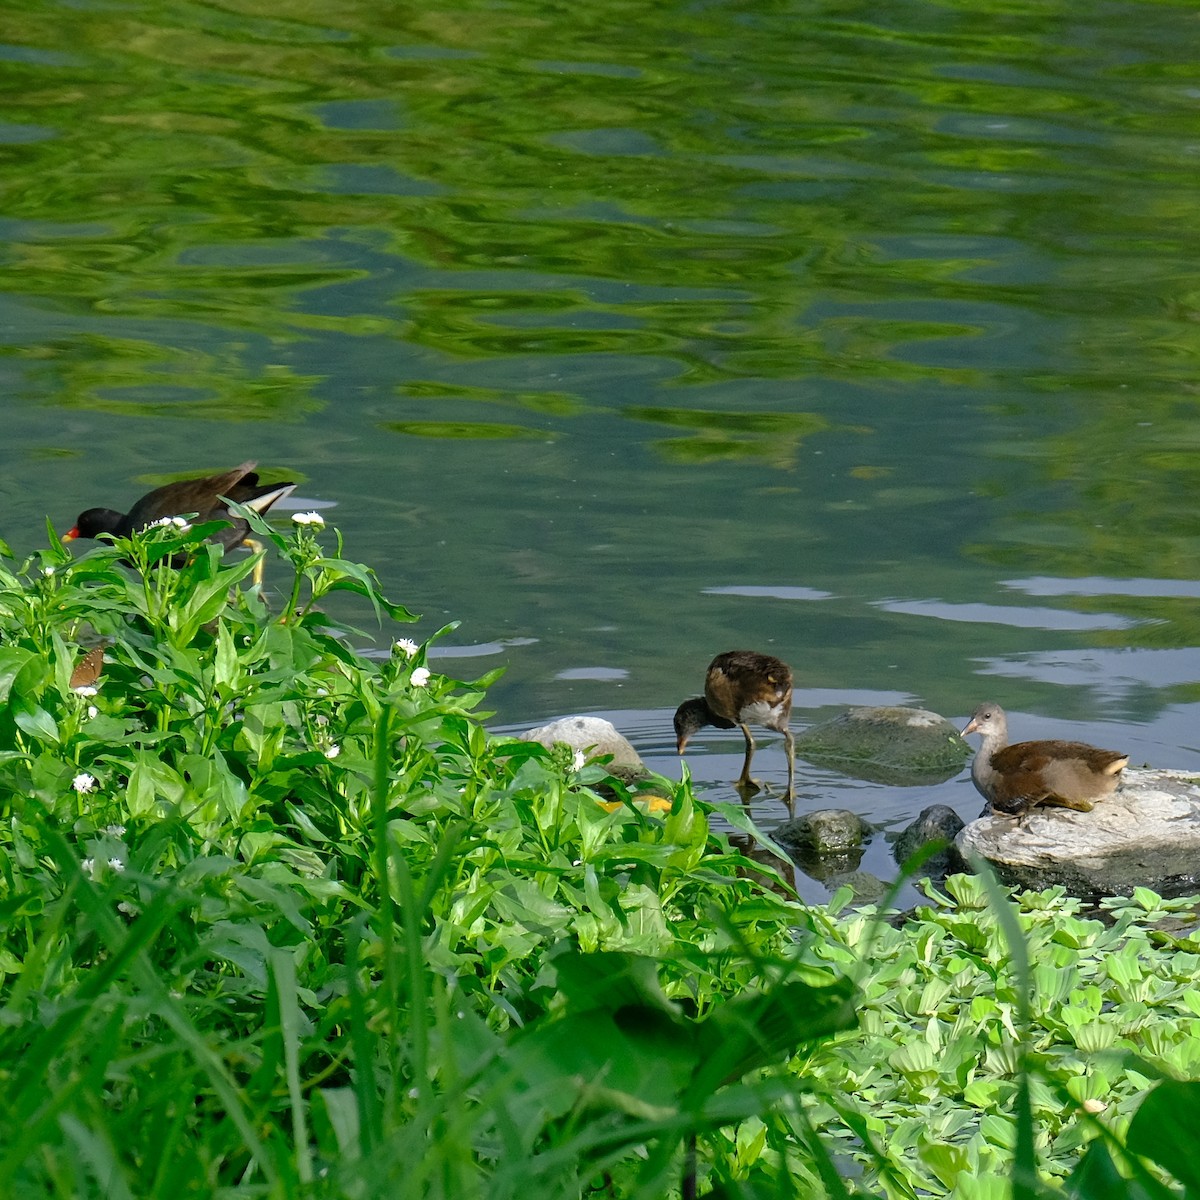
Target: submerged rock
x=826 y=831
x=867 y=888
x=827 y=845
x=887 y=744
x=1146 y=834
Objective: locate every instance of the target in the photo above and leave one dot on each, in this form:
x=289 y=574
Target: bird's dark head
x=92 y=523
x=690 y=716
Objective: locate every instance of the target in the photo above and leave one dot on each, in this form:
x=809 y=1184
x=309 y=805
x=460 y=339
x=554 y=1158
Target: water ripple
x=1001 y=614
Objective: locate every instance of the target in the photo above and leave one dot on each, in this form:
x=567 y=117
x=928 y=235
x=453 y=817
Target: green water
x=863 y=334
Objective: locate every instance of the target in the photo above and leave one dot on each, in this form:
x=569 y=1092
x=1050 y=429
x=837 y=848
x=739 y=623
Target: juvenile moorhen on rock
x=201 y=497
x=743 y=688
x=1015 y=779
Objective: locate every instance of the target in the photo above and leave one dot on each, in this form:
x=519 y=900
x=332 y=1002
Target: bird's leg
x=1075 y=805
x=1016 y=816
x=256 y=576
x=744 y=780
x=789 y=797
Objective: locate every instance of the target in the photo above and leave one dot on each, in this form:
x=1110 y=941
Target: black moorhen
x=201 y=498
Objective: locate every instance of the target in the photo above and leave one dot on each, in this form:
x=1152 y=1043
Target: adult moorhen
x=199 y=497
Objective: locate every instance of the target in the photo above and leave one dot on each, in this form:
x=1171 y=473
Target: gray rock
x=887 y=744
x=937 y=823
x=826 y=831
x=1146 y=834
x=596 y=737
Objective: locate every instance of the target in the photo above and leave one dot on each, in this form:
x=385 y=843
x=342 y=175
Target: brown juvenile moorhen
x=201 y=497
x=1015 y=779
x=743 y=688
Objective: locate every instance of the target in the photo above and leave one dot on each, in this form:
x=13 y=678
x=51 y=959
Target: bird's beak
x=71 y=534
x=972 y=727
x=683 y=741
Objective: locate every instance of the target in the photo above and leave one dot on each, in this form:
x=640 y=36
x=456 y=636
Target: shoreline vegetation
x=283 y=920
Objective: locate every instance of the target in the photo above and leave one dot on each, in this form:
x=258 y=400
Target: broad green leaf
x=1164 y=1129
x=35 y=721
x=227 y=667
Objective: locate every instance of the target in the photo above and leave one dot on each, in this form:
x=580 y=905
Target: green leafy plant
x=281 y=918
x=1001 y=1038
x=273 y=891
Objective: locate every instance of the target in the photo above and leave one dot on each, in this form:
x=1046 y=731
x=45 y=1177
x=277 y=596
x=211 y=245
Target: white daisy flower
x=115 y=830
x=420 y=676
x=116 y=864
x=83 y=782
x=578 y=760
x=86 y=690
x=309 y=518
x=332 y=751
x=405 y=646
x=87 y=865
x=93 y=711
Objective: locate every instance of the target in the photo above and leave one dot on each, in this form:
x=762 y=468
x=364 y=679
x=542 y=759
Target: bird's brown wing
x=201 y=496
x=745 y=686
x=1063 y=774
x=1018 y=783
x=746 y=672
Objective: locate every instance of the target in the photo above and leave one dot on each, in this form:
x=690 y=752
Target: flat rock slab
x=886 y=744
x=1146 y=834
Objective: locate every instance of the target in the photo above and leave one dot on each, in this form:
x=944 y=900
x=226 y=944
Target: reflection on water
x=628 y=342
x=1095 y=586
x=775 y=593
x=996 y=614
x=1106 y=672
x=609 y=673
